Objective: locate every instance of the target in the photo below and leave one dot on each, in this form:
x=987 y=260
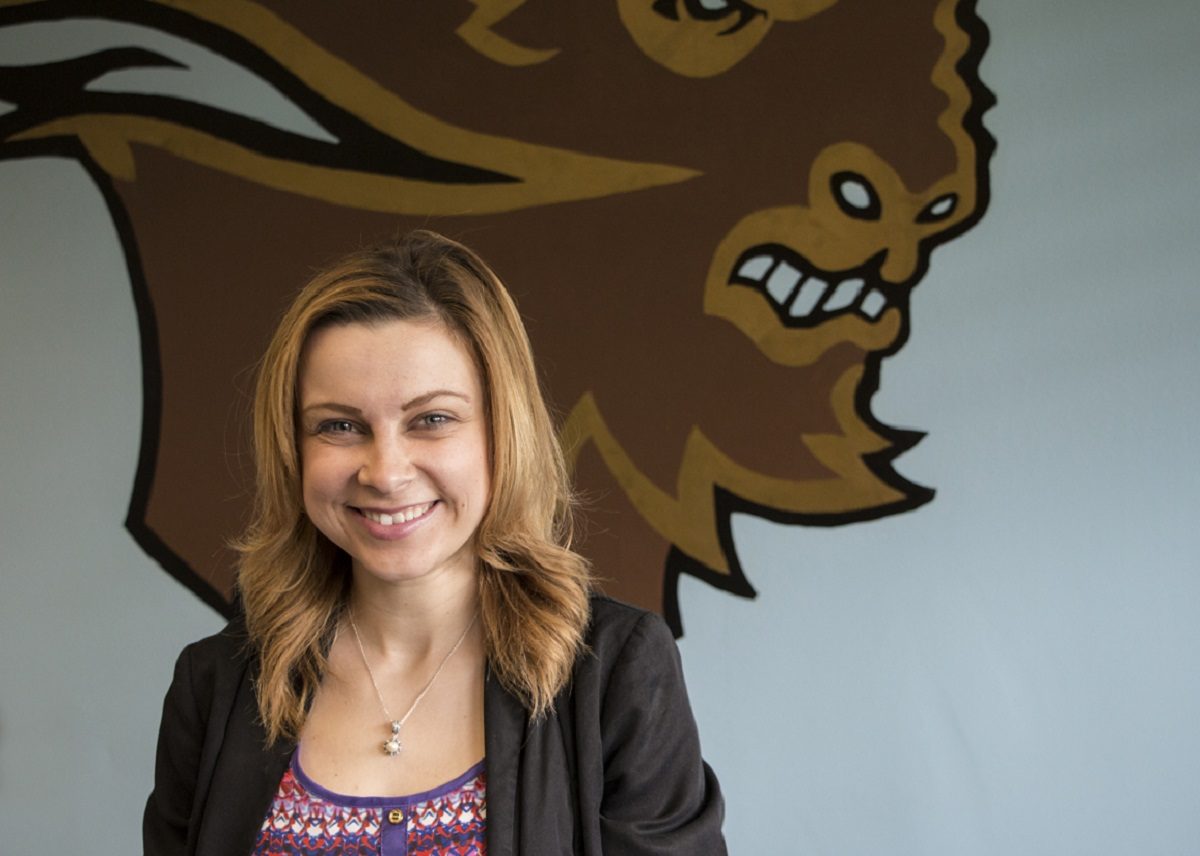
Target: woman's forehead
x=387 y=362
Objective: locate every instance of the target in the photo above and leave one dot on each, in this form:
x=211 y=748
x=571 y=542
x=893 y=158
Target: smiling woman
x=410 y=552
x=394 y=447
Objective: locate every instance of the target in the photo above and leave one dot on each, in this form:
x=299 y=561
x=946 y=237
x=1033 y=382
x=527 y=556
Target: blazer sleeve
x=659 y=796
x=168 y=814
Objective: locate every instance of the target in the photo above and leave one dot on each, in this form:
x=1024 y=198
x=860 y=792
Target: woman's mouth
x=404 y=515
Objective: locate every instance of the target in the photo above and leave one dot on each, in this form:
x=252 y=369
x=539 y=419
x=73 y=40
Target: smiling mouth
x=405 y=515
x=801 y=295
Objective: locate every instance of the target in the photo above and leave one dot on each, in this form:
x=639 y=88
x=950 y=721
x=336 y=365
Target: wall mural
x=712 y=213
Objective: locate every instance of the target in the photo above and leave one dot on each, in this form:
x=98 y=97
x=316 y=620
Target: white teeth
x=808 y=297
x=847 y=292
x=399 y=517
x=781 y=282
x=756 y=268
x=873 y=304
x=804 y=296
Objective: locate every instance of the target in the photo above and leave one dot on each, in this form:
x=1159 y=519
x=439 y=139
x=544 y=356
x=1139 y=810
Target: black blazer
x=615 y=769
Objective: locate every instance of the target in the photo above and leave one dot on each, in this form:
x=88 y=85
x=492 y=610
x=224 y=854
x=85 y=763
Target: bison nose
x=900 y=262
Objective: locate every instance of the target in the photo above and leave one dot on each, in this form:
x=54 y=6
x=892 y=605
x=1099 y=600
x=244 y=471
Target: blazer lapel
x=504 y=732
x=244 y=781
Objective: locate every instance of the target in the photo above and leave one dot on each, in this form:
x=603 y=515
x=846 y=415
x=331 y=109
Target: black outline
x=357 y=146
x=70 y=148
x=669 y=9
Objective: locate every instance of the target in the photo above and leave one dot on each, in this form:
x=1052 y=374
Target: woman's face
x=394 y=447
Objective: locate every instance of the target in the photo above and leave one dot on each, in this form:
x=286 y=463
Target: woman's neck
x=413 y=618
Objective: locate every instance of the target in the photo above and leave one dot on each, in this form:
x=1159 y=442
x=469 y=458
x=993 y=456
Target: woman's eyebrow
x=417 y=401
x=334 y=407
x=426 y=397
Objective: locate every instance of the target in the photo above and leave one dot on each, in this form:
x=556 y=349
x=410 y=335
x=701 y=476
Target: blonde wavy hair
x=294 y=582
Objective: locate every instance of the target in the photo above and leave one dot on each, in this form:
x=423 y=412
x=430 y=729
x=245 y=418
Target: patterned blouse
x=449 y=820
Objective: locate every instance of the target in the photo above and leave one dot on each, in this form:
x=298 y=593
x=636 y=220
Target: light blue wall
x=91 y=626
x=1014 y=668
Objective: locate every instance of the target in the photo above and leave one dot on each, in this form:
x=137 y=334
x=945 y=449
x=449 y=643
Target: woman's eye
x=335 y=426
x=434 y=420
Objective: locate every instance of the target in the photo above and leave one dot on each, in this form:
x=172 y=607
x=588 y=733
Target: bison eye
x=938 y=209
x=708 y=10
x=855 y=196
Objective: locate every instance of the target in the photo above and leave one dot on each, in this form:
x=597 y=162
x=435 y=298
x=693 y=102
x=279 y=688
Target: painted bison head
x=712 y=212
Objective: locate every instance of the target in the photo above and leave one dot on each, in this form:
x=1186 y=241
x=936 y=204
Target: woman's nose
x=388 y=466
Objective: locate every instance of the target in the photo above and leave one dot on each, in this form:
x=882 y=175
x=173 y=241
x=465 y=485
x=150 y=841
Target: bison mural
x=713 y=214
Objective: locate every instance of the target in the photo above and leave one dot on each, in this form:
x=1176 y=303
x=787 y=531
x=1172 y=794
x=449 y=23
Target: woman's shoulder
x=209 y=674
x=227 y=651
x=607 y=611
x=632 y=711
x=230 y=638
x=619 y=630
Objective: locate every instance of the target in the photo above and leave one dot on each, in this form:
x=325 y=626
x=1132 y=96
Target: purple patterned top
x=307 y=819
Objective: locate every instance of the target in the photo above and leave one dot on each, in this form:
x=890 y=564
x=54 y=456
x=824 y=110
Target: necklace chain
x=392 y=745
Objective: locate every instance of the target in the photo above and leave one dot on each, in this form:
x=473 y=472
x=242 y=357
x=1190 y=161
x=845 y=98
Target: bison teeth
x=799 y=295
x=844 y=295
x=808 y=297
x=782 y=282
x=756 y=267
x=873 y=304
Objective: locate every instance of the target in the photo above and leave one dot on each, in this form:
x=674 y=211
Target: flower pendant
x=392 y=746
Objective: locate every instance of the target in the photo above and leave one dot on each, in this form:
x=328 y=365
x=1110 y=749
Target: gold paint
x=946 y=78
x=477 y=32
x=112 y=153
x=688 y=518
x=698 y=48
x=794 y=10
x=560 y=176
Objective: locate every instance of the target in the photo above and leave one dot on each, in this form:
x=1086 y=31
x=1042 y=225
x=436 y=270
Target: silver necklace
x=392 y=745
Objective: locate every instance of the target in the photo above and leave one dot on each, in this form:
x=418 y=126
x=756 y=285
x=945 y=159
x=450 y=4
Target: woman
x=422 y=666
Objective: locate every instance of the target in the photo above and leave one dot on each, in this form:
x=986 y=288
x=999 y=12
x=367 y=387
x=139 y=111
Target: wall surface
x=1012 y=668
x=1015 y=667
